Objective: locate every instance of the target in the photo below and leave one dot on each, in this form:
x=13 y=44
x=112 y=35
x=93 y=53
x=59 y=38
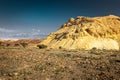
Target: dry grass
x=44 y=64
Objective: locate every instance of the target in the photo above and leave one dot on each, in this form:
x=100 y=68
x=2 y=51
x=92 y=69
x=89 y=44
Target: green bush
x=41 y=46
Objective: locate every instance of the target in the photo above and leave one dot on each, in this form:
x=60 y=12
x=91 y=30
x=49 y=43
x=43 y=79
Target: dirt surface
x=45 y=64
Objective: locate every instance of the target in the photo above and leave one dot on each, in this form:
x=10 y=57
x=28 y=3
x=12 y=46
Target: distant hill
x=14 y=42
x=86 y=33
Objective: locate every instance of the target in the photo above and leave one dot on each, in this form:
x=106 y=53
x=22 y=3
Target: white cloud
x=6 y=30
x=14 y=34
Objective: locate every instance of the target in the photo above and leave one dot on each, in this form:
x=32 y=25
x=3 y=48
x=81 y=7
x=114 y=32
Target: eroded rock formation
x=86 y=33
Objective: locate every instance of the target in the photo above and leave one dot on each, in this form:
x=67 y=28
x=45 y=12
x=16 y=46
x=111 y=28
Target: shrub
x=2 y=44
x=7 y=44
x=41 y=46
x=94 y=48
x=16 y=44
x=60 y=47
x=97 y=51
x=24 y=44
x=67 y=55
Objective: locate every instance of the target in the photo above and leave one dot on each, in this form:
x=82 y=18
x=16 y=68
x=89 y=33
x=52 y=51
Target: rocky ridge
x=87 y=33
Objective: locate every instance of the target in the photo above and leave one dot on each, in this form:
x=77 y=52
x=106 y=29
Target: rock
x=71 y=20
x=16 y=74
x=69 y=24
x=64 y=25
x=87 y=33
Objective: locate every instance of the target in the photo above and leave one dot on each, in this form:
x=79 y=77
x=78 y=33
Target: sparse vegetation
x=16 y=44
x=24 y=44
x=41 y=46
x=97 y=51
x=7 y=45
x=60 y=47
x=50 y=64
x=1 y=44
x=39 y=67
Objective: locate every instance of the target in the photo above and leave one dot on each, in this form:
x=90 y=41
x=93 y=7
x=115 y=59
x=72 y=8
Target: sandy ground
x=45 y=64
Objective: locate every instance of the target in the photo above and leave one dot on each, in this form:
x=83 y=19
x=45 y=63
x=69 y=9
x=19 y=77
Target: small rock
x=16 y=74
x=47 y=79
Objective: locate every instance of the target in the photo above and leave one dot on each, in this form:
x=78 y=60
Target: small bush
x=39 y=68
x=97 y=51
x=58 y=69
x=41 y=46
x=2 y=44
x=16 y=45
x=7 y=45
x=67 y=55
x=24 y=44
x=94 y=48
x=60 y=47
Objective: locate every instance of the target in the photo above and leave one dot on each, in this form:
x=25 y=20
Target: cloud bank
x=14 y=34
x=3 y=30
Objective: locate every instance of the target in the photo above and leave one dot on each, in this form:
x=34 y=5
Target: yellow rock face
x=87 y=33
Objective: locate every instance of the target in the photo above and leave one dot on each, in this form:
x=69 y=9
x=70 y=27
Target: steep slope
x=86 y=33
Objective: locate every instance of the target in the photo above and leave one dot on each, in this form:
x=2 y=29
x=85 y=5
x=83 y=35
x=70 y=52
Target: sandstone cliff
x=86 y=33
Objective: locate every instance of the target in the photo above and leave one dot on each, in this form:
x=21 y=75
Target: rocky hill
x=86 y=33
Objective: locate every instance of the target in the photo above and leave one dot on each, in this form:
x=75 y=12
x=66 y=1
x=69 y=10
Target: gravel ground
x=46 y=64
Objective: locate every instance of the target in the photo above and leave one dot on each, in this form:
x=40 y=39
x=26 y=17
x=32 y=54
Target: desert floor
x=48 y=64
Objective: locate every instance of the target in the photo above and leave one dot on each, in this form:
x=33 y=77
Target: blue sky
x=37 y=18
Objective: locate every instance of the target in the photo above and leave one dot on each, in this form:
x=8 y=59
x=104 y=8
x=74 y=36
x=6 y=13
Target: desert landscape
x=82 y=49
x=86 y=33
x=59 y=39
x=19 y=63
